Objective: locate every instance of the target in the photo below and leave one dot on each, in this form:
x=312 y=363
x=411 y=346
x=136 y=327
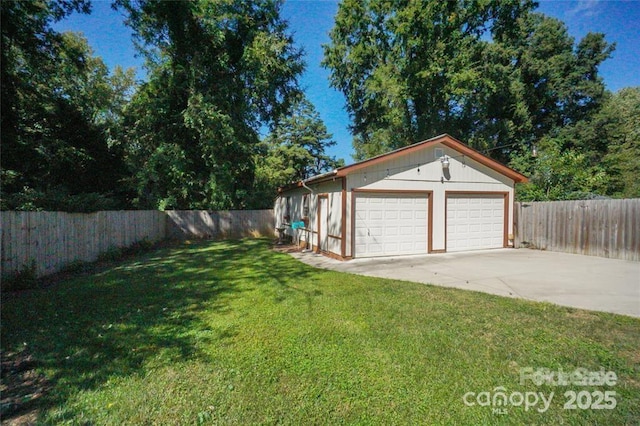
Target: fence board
x=53 y=240
x=189 y=224
x=605 y=228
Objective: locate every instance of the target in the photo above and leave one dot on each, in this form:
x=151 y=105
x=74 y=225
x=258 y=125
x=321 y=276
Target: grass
x=233 y=332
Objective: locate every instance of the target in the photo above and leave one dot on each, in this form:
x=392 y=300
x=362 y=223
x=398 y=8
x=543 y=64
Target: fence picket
x=53 y=240
x=605 y=228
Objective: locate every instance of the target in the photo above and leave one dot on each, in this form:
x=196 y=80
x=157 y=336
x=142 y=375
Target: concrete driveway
x=585 y=282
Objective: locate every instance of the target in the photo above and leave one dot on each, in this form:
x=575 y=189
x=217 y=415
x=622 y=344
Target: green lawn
x=233 y=332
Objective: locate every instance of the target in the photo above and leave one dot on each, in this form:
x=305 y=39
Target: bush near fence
x=605 y=228
x=54 y=240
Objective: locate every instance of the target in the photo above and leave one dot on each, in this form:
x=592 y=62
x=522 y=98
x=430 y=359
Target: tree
x=295 y=150
x=56 y=98
x=596 y=156
x=621 y=117
x=29 y=44
x=559 y=174
x=491 y=73
x=219 y=71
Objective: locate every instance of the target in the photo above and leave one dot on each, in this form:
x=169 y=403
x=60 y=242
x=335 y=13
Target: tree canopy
x=598 y=156
x=59 y=106
x=221 y=122
x=491 y=73
x=218 y=73
x=295 y=150
x=498 y=76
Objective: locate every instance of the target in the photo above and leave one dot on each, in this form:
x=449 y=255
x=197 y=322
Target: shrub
x=23 y=279
x=110 y=255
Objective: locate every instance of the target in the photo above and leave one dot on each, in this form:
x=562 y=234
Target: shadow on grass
x=140 y=313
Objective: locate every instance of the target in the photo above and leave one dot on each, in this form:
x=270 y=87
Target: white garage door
x=390 y=224
x=475 y=222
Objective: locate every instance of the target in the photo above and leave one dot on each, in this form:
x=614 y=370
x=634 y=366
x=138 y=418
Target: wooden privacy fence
x=605 y=228
x=185 y=224
x=53 y=240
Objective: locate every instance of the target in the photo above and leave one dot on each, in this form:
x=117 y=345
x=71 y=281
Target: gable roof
x=443 y=139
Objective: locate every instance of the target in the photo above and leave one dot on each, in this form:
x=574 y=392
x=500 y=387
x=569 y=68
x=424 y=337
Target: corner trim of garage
x=343 y=225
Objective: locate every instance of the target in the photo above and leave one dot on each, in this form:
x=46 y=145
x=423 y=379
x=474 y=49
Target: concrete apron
x=585 y=282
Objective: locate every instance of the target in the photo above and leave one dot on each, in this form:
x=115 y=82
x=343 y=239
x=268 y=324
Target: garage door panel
x=376 y=232
x=391 y=246
x=391 y=231
x=475 y=222
x=375 y=215
x=407 y=246
x=375 y=248
x=404 y=227
x=406 y=230
x=391 y=215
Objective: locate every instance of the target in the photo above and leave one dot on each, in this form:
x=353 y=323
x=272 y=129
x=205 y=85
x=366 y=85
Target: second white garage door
x=390 y=224
x=475 y=222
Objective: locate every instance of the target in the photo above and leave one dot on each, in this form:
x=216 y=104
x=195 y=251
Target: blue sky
x=311 y=20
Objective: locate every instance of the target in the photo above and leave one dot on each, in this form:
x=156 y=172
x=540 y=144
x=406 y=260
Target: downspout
x=305 y=186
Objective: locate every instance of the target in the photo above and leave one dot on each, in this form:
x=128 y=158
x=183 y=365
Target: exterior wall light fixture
x=445 y=162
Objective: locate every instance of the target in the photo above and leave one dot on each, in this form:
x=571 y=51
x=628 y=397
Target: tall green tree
x=597 y=156
x=491 y=73
x=29 y=49
x=219 y=71
x=620 y=117
x=56 y=97
x=294 y=150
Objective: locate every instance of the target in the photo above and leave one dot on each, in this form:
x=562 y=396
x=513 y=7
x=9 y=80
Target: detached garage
x=435 y=196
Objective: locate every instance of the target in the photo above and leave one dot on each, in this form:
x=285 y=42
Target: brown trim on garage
x=319 y=217
x=445 y=140
x=430 y=222
x=334 y=236
x=391 y=191
x=476 y=192
x=330 y=254
x=505 y=195
x=333 y=255
x=505 y=237
x=438 y=251
x=343 y=223
x=353 y=223
x=428 y=193
x=512 y=236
